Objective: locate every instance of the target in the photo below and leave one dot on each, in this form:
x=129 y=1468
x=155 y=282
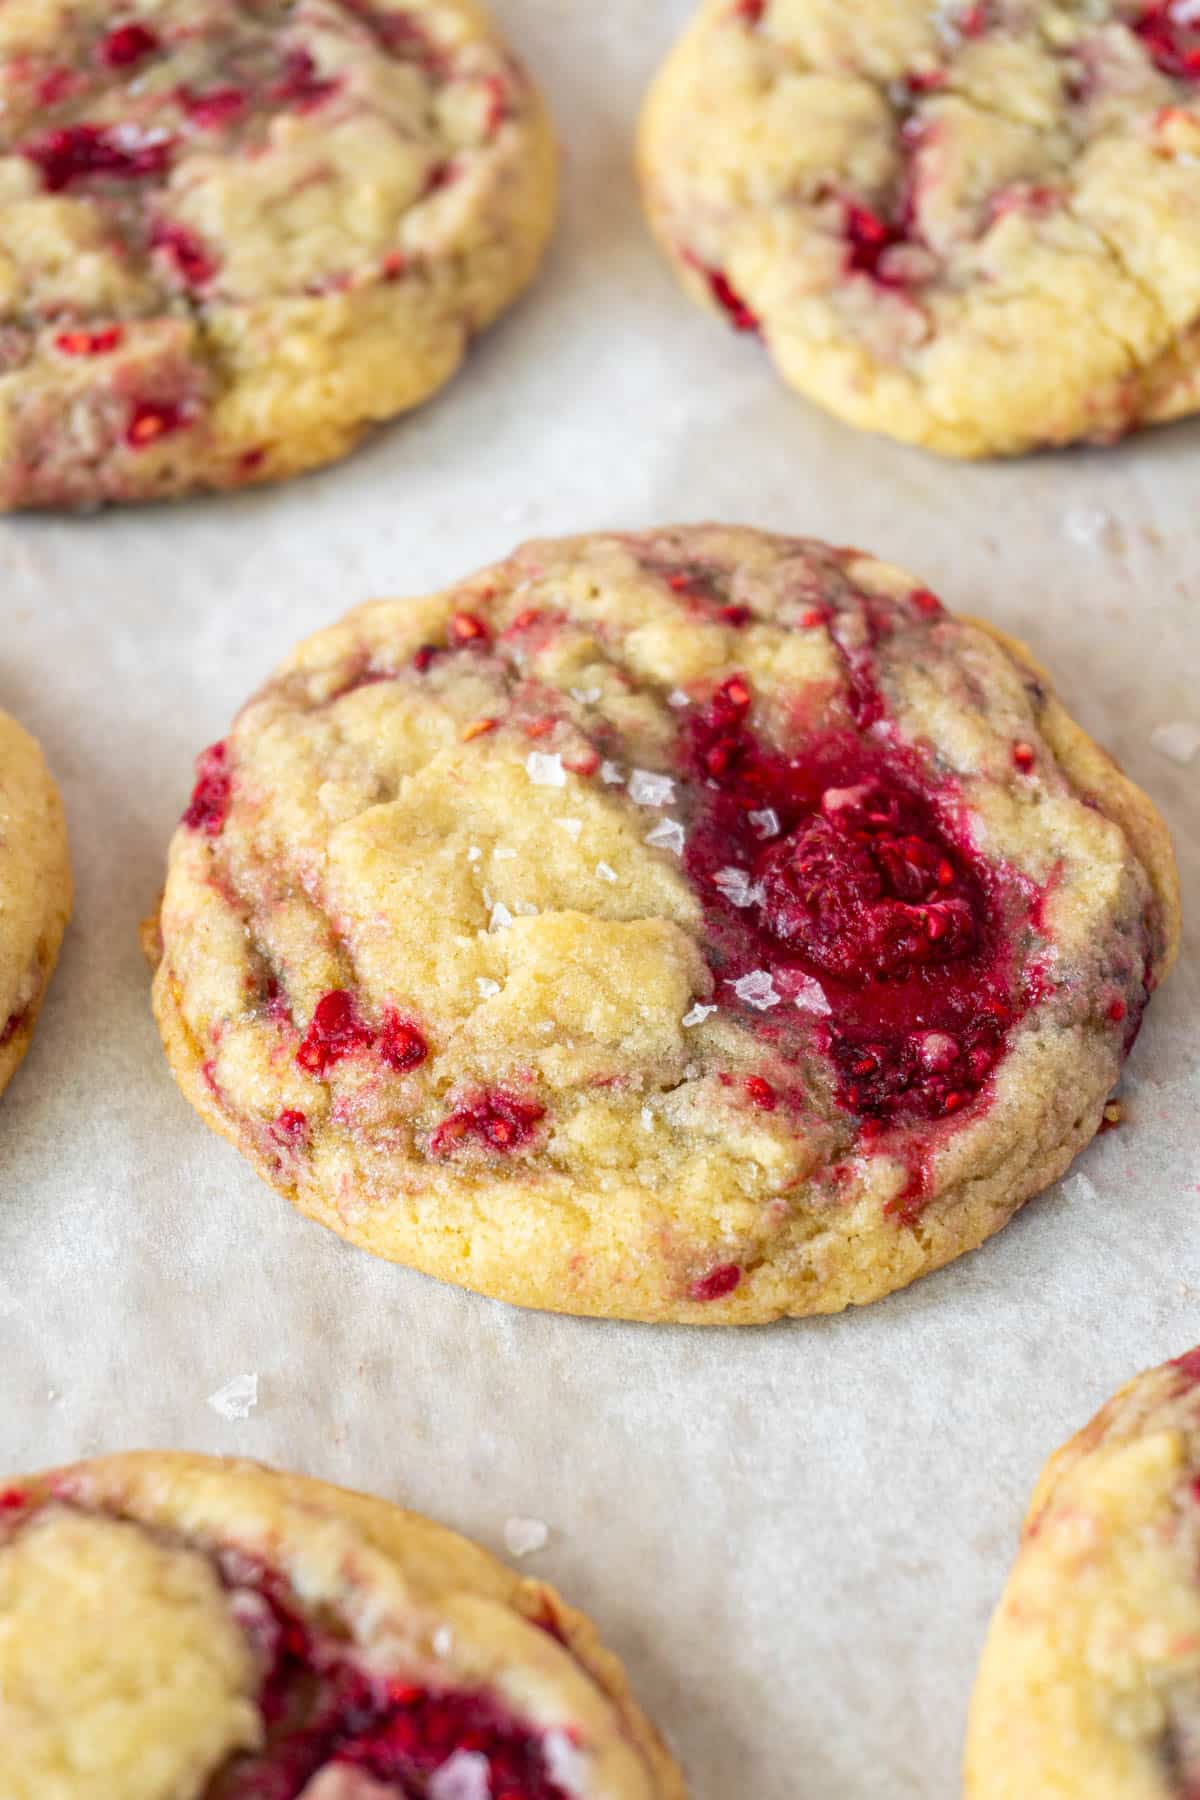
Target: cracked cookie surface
x=1089 y=1686
x=969 y=226
x=693 y=925
x=234 y=236
x=35 y=889
x=179 y=1627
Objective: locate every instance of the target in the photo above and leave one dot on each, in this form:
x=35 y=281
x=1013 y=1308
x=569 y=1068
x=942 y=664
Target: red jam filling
x=184 y=250
x=740 y=316
x=210 y=111
x=320 y=1711
x=75 y=152
x=717 y=1284
x=150 y=421
x=128 y=44
x=749 y=11
x=336 y=1030
x=208 y=808
x=869 y=237
x=1174 y=46
x=89 y=343
x=401 y=1045
x=499 y=1121
x=1189 y=1364
x=300 y=87
x=12 y=1025
x=831 y=877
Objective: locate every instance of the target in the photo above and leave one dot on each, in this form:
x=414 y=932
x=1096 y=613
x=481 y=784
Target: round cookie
x=234 y=237
x=178 y=1627
x=35 y=889
x=698 y=925
x=1089 y=1687
x=969 y=226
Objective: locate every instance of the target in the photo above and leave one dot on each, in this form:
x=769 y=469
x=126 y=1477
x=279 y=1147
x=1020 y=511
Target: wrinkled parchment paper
x=794 y=1535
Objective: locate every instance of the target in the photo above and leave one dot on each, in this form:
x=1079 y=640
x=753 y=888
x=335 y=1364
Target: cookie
x=1089 y=1688
x=966 y=225
x=35 y=889
x=178 y=1627
x=234 y=237
x=698 y=925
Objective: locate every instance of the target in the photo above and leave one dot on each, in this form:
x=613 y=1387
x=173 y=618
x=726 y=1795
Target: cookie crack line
x=689 y=941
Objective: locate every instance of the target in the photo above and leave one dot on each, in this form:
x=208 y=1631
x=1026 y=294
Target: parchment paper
x=795 y=1535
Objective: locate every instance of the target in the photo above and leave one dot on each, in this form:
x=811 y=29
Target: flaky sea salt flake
x=757 y=989
x=647 y=789
x=604 y=872
x=586 y=696
x=523 y=1537
x=501 y=918
x=505 y=855
x=810 y=996
x=1179 y=740
x=486 y=986
x=678 y=698
x=765 y=824
x=566 y=1763
x=545 y=769
x=237 y=1399
x=443 y=1642
x=736 y=886
x=466 y=1776
x=698 y=1015
x=572 y=827
x=667 y=835
x=610 y=772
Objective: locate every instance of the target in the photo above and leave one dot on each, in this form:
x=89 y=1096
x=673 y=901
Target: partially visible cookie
x=35 y=888
x=1089 y=1687
x=178 y=1627
x=233 y=237
x=970 y=224
x=695 y=924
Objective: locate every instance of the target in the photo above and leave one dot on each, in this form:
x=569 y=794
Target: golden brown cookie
x=1089 y=1688
x=35 y=889
x=178 y=1627
x=967 y=224
x=696 y=925
x=233 y=237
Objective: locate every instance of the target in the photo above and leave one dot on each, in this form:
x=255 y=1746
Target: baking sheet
x=794 y=1535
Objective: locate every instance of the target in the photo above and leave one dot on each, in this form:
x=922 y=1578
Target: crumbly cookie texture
x=969 y=226
x=697 y=925
x=234 y=236
x=178 y=1627
x=35 y=889
x=1089 y=1688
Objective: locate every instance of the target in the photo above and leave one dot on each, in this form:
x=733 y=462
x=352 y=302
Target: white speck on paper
x=604 y=872
x=572 y=827
x=523 y=1537
x=566 y=1763
x=1179 y=740
x=501 y=918
x=611 y=773
x=1087 y=526
x=545 y=769
x=668 y=835
x=765 y=823
x=698 y=1015
x=466 y=1776
x=757 y=989
x=646 y=789
x=487 y=987
x=810 y=996
x=443 y=1642
x=677 y=697
x=504 y=855
x=737 y=887
x=237 y=1399
x=586 y=696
